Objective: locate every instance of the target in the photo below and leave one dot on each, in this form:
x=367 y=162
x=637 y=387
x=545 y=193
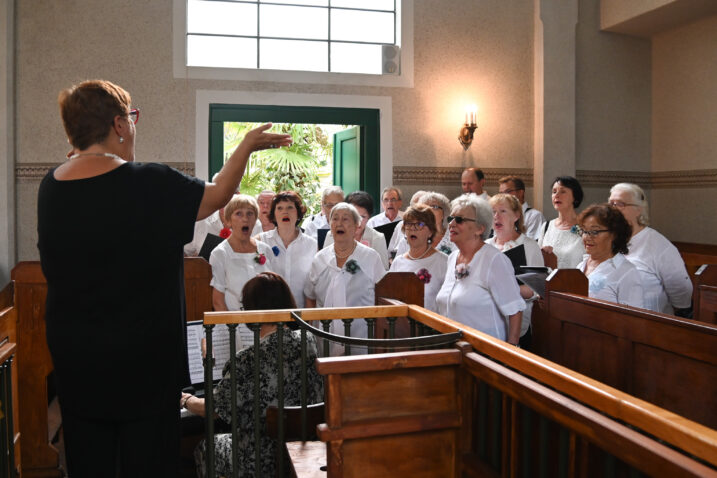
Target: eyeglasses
x=434 y=206
x=620 y=204
x=509 y=191
x=134 y=115
x=391 y=199
x=592 y=233
x=414 y=226
x=328 y=205
x=459 y=219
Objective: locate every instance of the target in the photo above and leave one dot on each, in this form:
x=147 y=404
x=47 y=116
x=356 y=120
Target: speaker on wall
x=391 y=59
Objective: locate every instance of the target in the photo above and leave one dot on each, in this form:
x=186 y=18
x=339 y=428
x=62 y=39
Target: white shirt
x=567 y=245
x=313 y=223
x=209 y=225
x=533 y=219
x=616 y=280
x=230 y=271
x=371 y=238
x=533 y=257
x=382 y=218
x=293 y=262
x=334 y=287
x=664 y=278
x=258 y=229
x=436 y=265
x=486 y=297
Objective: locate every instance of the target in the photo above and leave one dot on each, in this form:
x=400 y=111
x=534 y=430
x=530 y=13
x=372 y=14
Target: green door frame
x=367 y=119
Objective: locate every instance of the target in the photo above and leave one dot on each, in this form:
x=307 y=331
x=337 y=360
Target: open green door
x=347 y=159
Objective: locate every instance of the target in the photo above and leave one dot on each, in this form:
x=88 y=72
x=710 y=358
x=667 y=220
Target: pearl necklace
x=108 y=155
x=336 y=252
x=421 y=256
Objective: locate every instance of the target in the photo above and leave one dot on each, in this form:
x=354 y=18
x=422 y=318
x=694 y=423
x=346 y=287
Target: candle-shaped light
x=471 y=111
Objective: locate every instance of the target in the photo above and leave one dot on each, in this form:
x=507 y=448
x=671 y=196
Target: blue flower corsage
x=575 y=230
x=275 y=250
x=352 y=266
x=445 y=249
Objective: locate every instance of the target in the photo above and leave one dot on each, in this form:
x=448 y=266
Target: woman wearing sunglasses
x=480 y=289
x=110 y=235
x=612 y=277
x=419 y=228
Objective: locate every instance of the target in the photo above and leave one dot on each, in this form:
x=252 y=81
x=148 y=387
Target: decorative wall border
x=37 y=171
x=420 y=175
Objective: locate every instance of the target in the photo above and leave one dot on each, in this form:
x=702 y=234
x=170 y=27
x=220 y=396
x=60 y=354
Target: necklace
x=108 y=155
x=339 y=256
x=421 y=256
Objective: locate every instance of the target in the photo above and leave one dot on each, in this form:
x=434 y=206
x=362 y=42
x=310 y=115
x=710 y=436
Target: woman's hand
x=194 y=404
x=257 y=139
x=547 y=249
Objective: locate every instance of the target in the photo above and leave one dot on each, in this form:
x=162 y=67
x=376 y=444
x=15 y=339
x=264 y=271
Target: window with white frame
x=335 y=36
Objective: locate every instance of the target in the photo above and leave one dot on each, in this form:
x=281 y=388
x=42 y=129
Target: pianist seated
x=265 y=291
x=611 y=276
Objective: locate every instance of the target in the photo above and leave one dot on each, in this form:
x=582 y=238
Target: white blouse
x=486 y=297
x=332 y=286
x=616 y=280
x=293 y=262
x=230 y=271
x=371 y=238
x=445 y=246
x=533 y=257
x=436 y=265
x=664 y=278
x=567 y=245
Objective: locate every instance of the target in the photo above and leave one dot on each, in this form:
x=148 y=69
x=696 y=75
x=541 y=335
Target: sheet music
x=220 y=347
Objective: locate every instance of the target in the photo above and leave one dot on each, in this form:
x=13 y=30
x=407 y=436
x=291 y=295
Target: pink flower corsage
x=225 y=233
x=260 y=258
x=461 y=271
x=424 y=275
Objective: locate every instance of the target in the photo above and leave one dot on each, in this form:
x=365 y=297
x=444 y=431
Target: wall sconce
x=466 y=135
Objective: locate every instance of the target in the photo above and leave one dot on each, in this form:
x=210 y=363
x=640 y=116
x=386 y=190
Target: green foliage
x=297 y=167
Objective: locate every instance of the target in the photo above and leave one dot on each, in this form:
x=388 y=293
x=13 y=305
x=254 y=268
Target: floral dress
x=268 y=348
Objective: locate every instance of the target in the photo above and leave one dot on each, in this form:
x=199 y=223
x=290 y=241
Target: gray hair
x=331 y=190
x=440 y=199
x=638 y=198
x=344 y=206
x=416 y=198
x=481 y=207
x=389 y=189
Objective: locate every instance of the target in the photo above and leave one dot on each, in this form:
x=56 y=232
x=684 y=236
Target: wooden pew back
x=706 y=294
x=695 y=255
x=8 y=349
x=659 y=358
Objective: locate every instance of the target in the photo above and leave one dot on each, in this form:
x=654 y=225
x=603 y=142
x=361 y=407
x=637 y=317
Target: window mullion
x=258 y=34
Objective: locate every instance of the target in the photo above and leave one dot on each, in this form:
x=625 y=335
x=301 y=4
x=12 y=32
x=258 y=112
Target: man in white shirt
x=472 y=181
x=264 y=201
x=532 y=218
x=391 y=200
x=330 y=197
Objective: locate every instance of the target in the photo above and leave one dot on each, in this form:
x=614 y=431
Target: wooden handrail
x=284 y=315
x=690 y=436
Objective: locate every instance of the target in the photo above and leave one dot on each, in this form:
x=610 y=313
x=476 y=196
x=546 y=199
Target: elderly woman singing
x=344 y=274
x=612 y=277
x=480 y=289
x=667 y=286
x=419 y=228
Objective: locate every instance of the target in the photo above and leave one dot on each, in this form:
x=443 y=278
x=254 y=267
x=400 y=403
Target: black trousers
x=123 y=448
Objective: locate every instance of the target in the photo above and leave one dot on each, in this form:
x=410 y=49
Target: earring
x=121 y=139
x=430 y=240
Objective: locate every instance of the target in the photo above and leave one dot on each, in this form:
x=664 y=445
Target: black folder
x=517 y=257
x=387 y=230
x=321 y=237
x=210 y=242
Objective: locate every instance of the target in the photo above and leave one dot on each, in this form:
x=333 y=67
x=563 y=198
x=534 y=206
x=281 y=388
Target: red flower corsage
x=424 y=275
x=260 y=259
x=225 y=232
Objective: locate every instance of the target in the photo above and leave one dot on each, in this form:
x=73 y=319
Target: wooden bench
x=27 y=294
x=663 y=359
x=10 y=459
x=706 y=294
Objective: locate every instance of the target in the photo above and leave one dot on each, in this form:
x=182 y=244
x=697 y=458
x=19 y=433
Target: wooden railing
x=663 y=359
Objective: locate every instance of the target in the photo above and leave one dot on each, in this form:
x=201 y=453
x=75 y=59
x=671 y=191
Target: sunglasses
x=134 y=115
x=459 y=219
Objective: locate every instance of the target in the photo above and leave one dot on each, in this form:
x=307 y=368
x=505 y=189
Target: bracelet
x=184 y=402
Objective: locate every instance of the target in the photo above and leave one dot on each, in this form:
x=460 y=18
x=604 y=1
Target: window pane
x=365 y=4
x=294 y=55
x=355 y=58
x=221 y=17
x=318 y=3
x=294 y=22
x=227 y=52
x=352 y=25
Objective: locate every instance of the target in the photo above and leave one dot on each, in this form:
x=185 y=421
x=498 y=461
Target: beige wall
x=472 y=52
x=684 y=126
